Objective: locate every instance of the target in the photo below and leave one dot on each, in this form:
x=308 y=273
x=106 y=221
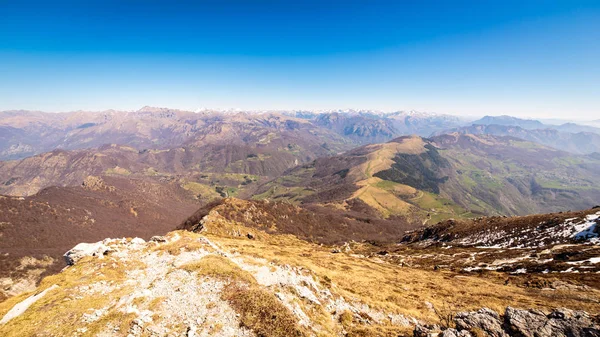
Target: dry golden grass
x=258 y=308
x=219 y=267
x=383 y=201
x=346 y=318
x=262 y=312
x=188 y=241
x=404 y=290
x=380 y=158
x=384 y=198
x=380 y=284
x=378 y=331
x=60 y=309
x=150 y=303
x=354 y=328
x=115 y=319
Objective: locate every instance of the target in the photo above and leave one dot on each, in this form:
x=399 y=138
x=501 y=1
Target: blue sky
x=524 y=58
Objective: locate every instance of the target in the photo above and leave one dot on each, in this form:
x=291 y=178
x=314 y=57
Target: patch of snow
x=587 y=229
x=470 y=269
x=570 y=270
x=543 y=235
x=592 y=260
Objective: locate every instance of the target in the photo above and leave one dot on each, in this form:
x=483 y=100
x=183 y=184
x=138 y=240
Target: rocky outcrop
x=455 y=333
x=560 y=322
x=436 y=331
x=483 y=319
x=188 y=284
x=85 y=249
x=517 y=322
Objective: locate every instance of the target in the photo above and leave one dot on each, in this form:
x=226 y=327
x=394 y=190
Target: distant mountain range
x=26 y=133
x=510 y=121
x=150 y=128
x=580 y=142
x=530 y=124
x=315 y=157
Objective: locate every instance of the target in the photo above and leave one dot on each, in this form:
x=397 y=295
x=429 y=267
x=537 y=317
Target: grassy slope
x=460 y=177
x=387 y=197
x=380 y=285
x=504 y=181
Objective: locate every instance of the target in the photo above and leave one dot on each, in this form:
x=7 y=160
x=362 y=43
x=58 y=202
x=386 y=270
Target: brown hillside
x=312 y=222
x=47 y=224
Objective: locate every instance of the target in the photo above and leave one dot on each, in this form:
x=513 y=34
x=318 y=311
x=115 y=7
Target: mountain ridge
x=579 y=143
x=482 y=174
x=258 y=286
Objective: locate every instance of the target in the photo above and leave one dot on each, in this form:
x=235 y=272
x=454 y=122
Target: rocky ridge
x=517 y=322
x=165 y=290
x=228 y=279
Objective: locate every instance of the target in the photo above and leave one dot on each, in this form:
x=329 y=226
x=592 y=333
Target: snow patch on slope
x=585 y=229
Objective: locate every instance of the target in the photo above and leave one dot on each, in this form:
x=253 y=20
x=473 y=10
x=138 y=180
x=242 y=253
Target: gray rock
x=426 y=331
x=525 y=323
x=85 y=249
x=484 y=319
x=159 y=239
x=560 y=322
x=455 y=333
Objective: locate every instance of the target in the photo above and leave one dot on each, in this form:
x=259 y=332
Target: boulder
x=85 y=249
x=455 y=333
x=559 y=323
x=524 y=323
x=483 y=319
x=425 y=331
x=159 y=239
x=137 y=241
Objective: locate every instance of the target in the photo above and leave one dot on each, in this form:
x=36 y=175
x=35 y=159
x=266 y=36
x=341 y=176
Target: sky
x=538 y=59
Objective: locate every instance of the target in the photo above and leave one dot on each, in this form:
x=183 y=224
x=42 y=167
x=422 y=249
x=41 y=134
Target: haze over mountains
x=497 y=165
x=25 y=133
x=386 y=190
x=570 y=137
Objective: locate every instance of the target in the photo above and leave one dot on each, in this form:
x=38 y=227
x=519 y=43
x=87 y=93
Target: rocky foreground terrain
x=221 y=274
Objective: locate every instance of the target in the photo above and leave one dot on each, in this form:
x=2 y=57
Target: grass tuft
x=262 y=312
x=219 y=267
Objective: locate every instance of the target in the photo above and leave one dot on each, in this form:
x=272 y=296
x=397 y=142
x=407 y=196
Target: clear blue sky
x=525 y=58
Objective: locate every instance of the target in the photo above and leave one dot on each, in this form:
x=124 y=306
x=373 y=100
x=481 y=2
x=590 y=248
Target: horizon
x=546 y=120
x=529 y=60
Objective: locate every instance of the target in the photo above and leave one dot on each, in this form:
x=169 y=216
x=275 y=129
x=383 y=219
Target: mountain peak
x=509 y=120
x=152 y=109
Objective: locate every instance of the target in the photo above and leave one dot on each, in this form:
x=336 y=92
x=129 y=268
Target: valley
x=336 y=223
